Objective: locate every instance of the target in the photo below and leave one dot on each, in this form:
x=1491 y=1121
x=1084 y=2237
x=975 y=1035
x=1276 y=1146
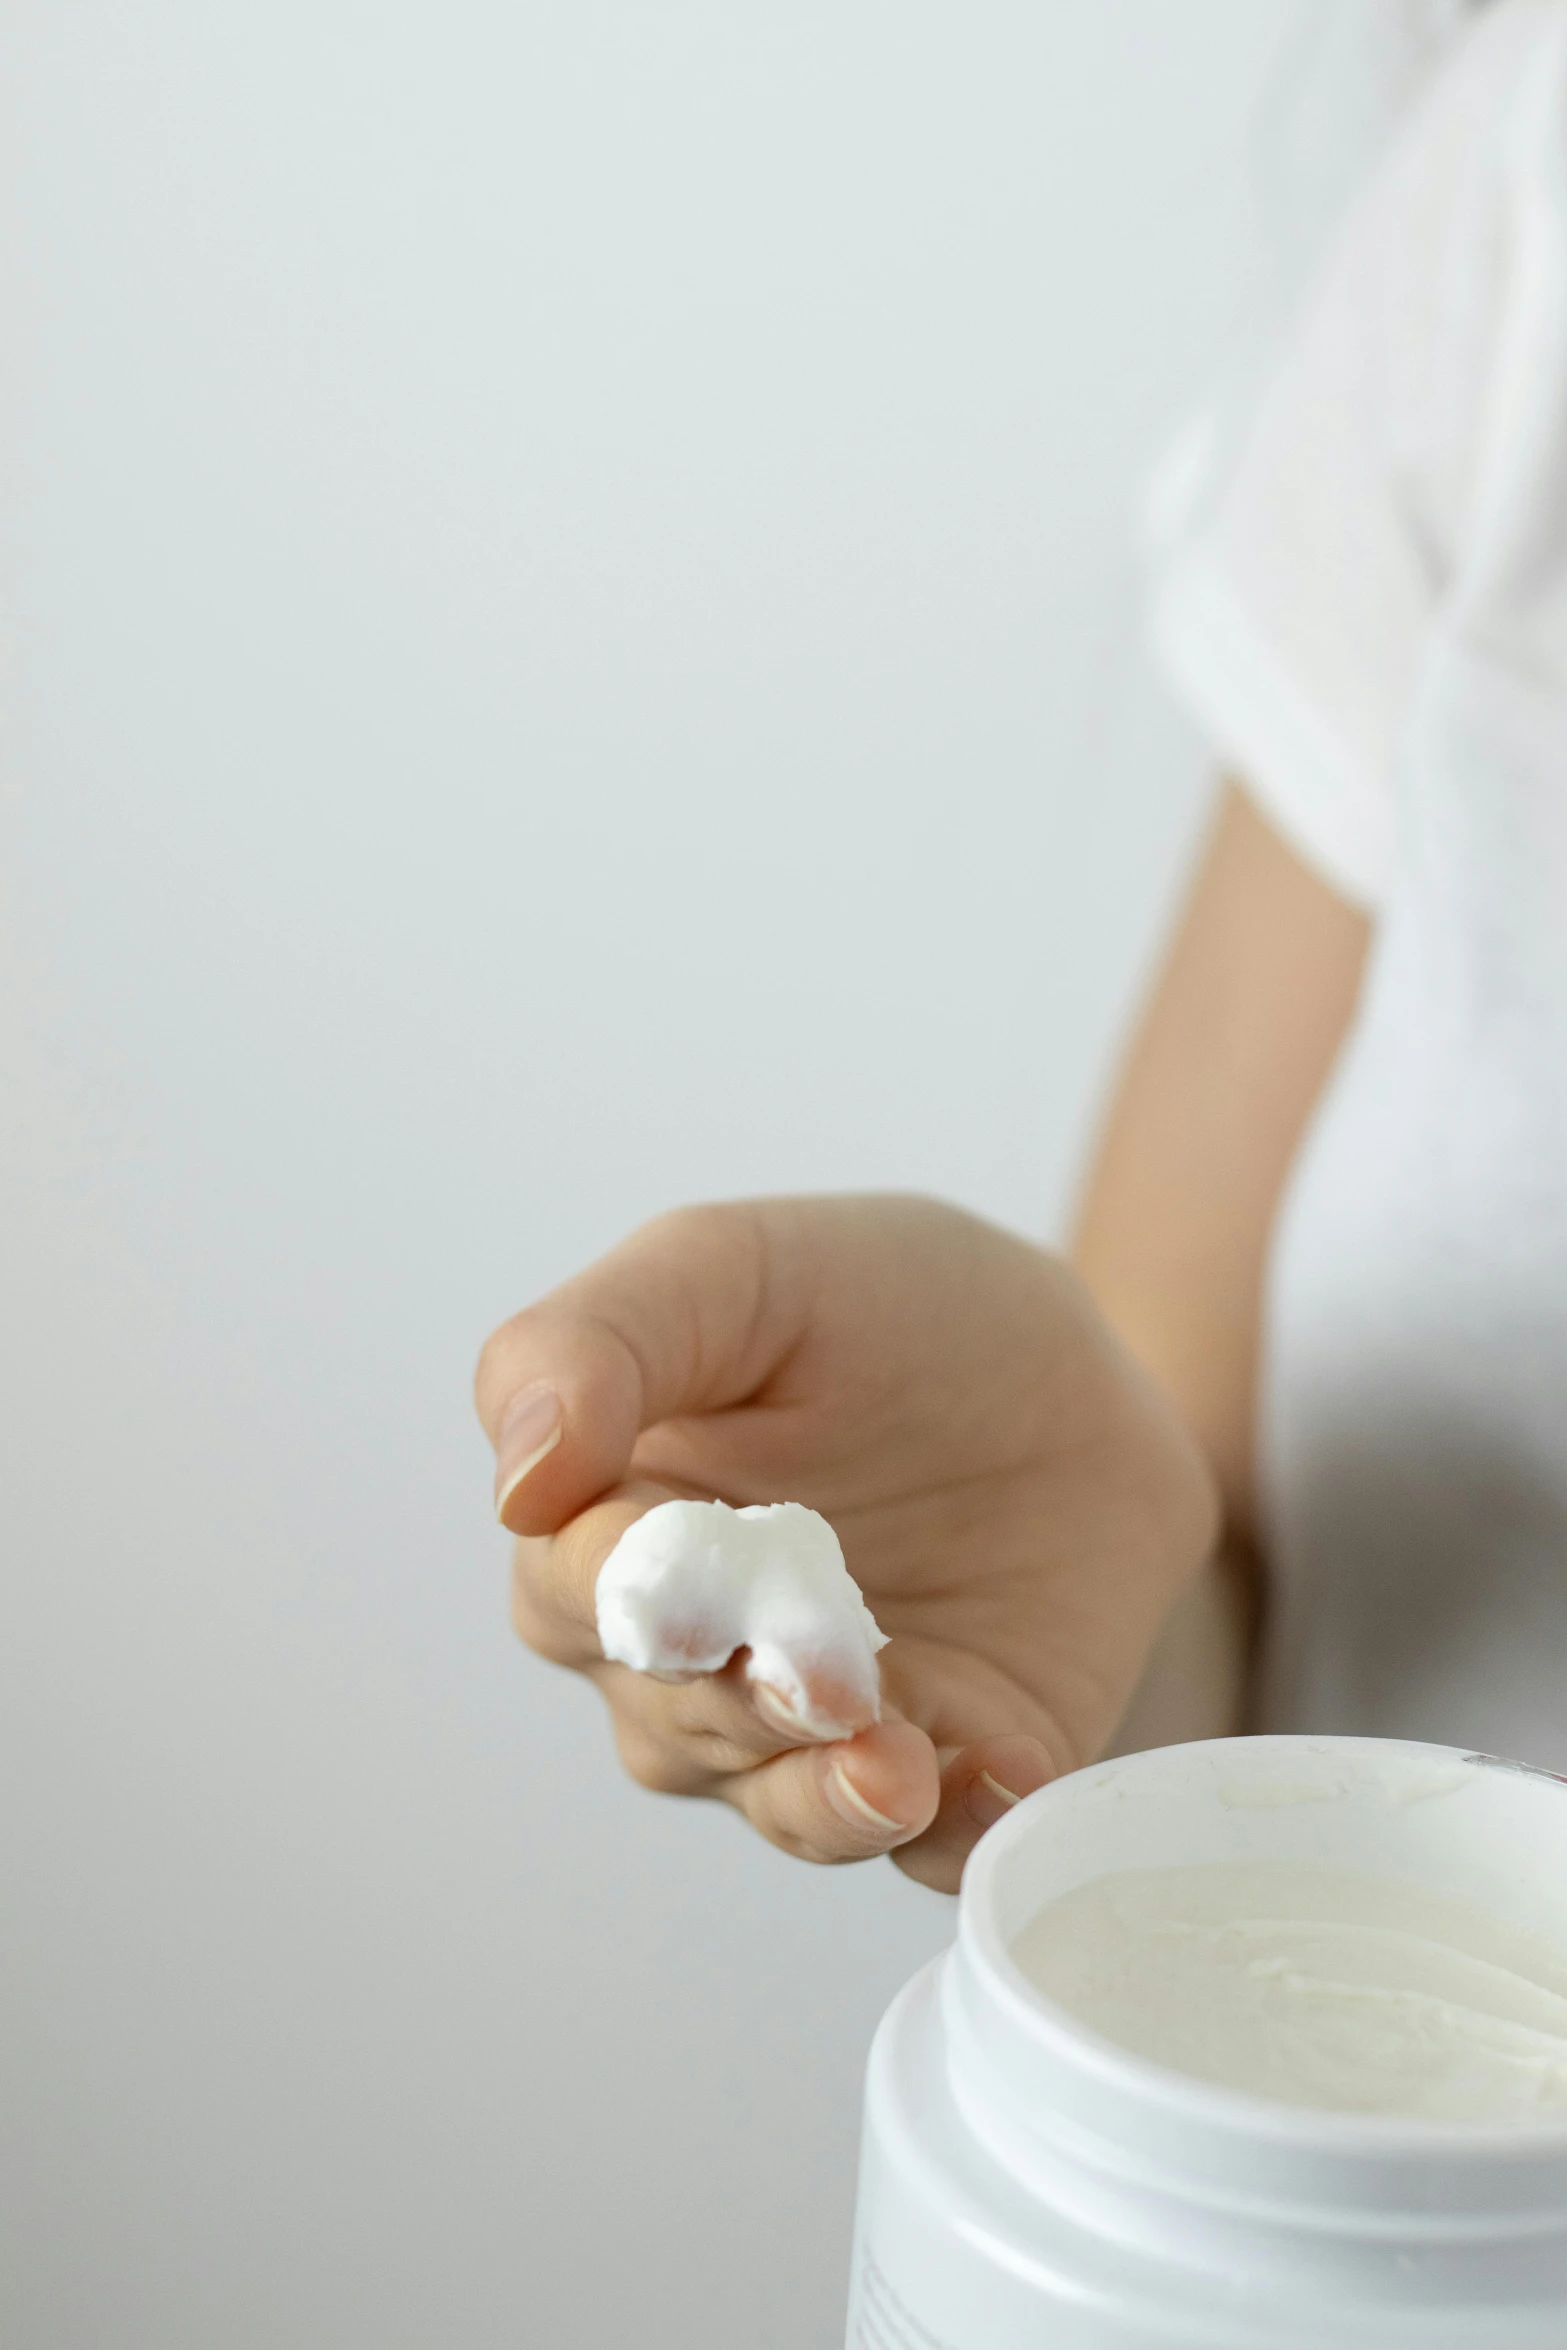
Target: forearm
x=1240 y=1032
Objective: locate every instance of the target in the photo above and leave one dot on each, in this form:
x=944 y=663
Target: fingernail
x=987 y=1801
x=781 y=1713
x=532 y=1427
x=850 y=1805
x=776 y=1710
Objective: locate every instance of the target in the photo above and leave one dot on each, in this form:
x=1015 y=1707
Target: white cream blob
x=693 y=1581
x=1313 y=1986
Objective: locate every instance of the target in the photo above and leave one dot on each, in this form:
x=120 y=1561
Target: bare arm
x=1244 y=1023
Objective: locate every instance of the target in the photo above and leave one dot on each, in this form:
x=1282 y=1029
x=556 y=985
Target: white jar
x=1025 y=2185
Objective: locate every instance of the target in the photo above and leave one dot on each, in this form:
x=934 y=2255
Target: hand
x=1014 y=1497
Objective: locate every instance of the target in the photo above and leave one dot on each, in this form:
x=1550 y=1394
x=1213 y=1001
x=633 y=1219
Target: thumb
x=682 y=1317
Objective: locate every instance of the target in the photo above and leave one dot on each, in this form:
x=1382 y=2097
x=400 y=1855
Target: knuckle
x=537 y=1622
x=540 y=1633
x=691 y=1216
x=484 y=1368
x=494 y=1373
x=650 y=1761
x=697 y=1714
x=717 y=1753
x=704 y=1228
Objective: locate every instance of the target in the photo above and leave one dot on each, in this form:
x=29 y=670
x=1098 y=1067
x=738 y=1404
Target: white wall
x=572 y=643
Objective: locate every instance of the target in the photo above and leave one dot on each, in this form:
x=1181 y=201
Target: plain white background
x=572 y=641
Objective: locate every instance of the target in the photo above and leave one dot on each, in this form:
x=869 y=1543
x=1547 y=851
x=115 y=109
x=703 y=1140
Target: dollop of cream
x=1313 y=1986
x=693 y=1582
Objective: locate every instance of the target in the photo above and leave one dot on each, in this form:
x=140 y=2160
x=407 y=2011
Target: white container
x=1025 y=2185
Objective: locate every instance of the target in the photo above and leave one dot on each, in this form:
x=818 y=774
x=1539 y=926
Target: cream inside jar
x=1312 y=1986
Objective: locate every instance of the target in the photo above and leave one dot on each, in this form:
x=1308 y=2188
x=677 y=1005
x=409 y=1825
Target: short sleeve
x=1301 y=575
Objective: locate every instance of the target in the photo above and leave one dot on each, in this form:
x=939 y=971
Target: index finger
x=682 y=1317
x=555 y=1581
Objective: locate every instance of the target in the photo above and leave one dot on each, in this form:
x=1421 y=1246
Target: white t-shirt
x=1370 y=618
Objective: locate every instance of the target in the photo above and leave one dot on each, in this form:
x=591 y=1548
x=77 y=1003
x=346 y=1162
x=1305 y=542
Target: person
x=1284 y=1444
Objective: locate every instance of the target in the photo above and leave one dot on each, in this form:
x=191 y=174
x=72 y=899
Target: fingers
x=683 y=1317
x=719 y=1735
x=555 y=1610
x=554 y=1578
x=979 y=1786
x=686 y=1734
x=849 y=1801
x=716 y=1736
x=881 y=1792
x=690 y=1737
